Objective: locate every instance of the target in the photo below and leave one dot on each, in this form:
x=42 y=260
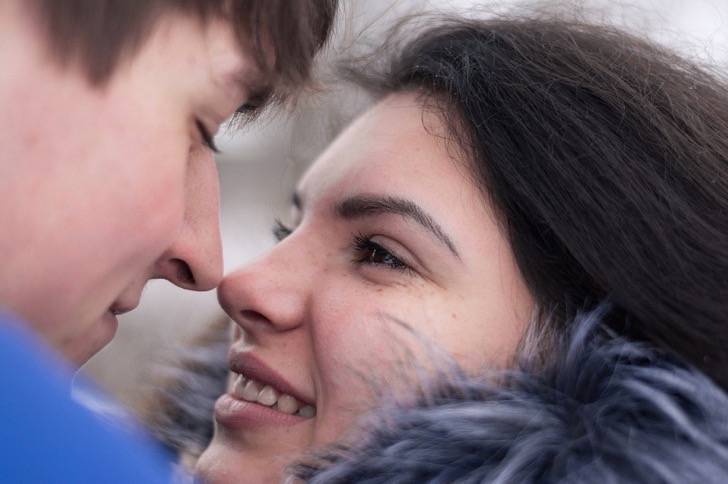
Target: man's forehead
x=233 y=57
x=238 y=73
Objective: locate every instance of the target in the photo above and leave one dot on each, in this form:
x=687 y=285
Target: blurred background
x=260 y=165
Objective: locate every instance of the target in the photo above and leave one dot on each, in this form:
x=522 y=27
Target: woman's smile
x=258 y=396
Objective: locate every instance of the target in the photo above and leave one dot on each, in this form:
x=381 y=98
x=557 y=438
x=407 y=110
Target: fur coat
x=603 y=409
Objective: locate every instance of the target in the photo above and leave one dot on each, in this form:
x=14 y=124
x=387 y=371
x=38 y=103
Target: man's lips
x=122 y=307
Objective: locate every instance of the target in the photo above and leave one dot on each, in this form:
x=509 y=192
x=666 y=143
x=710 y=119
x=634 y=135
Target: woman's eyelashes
x=280 y=230
x=365 y=250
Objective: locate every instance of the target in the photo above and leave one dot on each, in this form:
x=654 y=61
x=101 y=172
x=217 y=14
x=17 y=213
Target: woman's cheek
x=365 y=331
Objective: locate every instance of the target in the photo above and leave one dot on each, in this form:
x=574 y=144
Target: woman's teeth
x=252 y=391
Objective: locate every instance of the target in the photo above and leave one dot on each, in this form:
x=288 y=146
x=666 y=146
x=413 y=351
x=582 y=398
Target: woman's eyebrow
x=366 y=206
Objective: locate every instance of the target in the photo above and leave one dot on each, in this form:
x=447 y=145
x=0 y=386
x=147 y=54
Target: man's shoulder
x=22 y=353
x=46 y=436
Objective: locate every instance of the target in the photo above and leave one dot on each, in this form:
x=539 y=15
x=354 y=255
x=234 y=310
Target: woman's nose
x=269 y=295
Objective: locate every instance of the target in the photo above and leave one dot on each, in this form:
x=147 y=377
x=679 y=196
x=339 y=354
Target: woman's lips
x=259 y=396
x=234 y=413
x=250 y=390
x=252 y=368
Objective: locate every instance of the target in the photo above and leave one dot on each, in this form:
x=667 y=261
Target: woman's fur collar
x=603 y=409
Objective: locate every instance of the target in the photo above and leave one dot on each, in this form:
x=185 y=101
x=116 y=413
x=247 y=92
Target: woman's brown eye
x=377 y=255
x=369 y=252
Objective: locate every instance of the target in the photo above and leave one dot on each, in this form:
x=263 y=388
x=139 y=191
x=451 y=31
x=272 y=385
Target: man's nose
x=194 y=260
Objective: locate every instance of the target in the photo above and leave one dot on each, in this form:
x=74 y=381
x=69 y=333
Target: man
x=106 y=169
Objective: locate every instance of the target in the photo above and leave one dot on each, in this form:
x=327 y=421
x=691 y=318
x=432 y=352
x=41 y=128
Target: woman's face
x=391 y=256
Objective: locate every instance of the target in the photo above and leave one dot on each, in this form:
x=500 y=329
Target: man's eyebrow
x=365 y=206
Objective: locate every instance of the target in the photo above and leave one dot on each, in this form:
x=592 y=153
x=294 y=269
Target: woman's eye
x=369 y=252
x=281 y=231
x=207 y=138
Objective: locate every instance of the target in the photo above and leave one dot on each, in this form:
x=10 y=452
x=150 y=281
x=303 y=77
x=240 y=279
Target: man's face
x=107 y=187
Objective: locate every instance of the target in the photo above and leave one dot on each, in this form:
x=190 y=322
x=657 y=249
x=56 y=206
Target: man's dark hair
x=605 y=158
x=99 y=34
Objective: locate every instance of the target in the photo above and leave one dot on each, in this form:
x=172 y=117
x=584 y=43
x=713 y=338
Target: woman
x=513 y=174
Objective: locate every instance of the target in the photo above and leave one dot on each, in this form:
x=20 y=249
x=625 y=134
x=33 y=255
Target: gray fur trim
x=603 y=410
x=182 y=417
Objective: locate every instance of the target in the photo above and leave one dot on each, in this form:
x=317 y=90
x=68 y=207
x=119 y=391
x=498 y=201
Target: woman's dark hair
x=606 y=158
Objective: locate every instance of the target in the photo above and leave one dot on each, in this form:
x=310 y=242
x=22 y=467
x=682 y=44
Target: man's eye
x=369 y=252
x=207 y=138
x=248 y=108
x=281 y=231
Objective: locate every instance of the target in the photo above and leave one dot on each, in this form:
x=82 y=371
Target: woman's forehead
x=394 y=146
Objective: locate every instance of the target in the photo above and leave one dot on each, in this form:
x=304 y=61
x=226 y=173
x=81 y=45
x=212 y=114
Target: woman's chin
x=227 y=462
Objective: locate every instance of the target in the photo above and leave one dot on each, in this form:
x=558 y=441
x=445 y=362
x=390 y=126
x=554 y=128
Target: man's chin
x=93 y=340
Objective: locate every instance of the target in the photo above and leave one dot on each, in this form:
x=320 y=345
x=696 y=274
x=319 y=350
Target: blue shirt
x=47 y=437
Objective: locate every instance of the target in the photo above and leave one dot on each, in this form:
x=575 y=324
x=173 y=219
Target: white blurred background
x=259 y=167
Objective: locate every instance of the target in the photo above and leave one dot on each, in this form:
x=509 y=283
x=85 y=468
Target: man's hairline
x=251 y=78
